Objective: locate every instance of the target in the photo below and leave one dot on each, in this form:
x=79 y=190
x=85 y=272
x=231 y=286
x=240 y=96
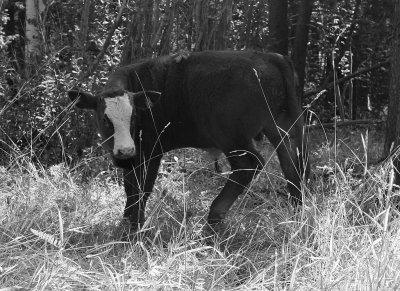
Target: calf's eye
x=107 y=121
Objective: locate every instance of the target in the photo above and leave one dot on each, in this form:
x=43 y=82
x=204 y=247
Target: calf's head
x=115 y=114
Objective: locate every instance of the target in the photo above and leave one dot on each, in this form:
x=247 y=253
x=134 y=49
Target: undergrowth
x=60 y=228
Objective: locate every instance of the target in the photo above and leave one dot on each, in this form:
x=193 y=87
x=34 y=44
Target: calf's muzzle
x=124 y=153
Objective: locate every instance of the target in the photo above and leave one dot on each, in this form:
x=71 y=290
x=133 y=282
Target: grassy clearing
x=61 y=231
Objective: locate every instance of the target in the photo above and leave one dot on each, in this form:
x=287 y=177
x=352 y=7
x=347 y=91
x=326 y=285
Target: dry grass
x=59 y=233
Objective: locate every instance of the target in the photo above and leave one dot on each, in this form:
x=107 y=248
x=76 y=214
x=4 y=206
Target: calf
x=219 y=100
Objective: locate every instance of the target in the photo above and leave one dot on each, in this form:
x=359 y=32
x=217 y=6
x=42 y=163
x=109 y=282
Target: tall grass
x=61 y=232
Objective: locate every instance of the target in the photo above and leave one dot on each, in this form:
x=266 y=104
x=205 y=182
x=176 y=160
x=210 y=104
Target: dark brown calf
x=208 y=100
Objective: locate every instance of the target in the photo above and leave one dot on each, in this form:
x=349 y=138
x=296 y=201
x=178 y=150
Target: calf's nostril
x=125 y=152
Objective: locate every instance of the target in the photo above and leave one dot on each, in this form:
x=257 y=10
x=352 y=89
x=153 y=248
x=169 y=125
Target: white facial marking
x=119 y=111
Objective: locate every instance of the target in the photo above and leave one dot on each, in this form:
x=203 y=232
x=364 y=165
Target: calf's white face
x=115 y=115
x=119 y=111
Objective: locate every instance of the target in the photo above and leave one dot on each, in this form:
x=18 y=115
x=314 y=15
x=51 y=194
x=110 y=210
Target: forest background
x=340 y=46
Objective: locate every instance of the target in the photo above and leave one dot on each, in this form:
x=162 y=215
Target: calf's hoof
x=215 y=225
x=130 y=230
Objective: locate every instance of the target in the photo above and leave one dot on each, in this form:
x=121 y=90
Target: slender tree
x=158 y=25
x=34 y=9
x=166 y=37
x=278 y=26
x=392 y=140
x=201 y=11
x=299 y=53
x=84 y=25
x=223 y=29
x=148 y=27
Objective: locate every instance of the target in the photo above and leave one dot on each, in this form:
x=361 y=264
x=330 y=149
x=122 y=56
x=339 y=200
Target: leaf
x=49 y=238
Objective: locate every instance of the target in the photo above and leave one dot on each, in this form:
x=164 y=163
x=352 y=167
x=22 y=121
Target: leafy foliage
x=346 y=38
x=36 y=121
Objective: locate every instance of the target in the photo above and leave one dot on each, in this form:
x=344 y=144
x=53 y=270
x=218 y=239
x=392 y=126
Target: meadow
x=60 y=227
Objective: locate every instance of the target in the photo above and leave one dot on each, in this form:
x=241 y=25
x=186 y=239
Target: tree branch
x=107 y=42
x=356 y=74
x=344 y=123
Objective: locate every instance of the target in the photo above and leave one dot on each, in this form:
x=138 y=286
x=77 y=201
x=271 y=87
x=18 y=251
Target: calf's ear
x=83 y=100
x=146 y=99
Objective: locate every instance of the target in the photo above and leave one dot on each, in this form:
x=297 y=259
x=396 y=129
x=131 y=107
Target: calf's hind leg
x=244 y=164
x=288 y=141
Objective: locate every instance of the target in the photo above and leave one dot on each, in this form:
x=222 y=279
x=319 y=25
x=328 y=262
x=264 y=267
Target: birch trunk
x=34 y=9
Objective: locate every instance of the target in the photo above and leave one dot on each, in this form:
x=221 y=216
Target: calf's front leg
x=138 y=183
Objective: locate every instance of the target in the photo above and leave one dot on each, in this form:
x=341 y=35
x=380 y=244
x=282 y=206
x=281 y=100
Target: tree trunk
x=197 y=23
x=278 y=26
x=223 y=29
x=301 y=39
x=147 y=28
x=190 y=26
x=134 y=35
x=166 y=38
x=157 y=25
x=84 y=26
x=392 y=140
x=34 y=8
x=201 y=24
